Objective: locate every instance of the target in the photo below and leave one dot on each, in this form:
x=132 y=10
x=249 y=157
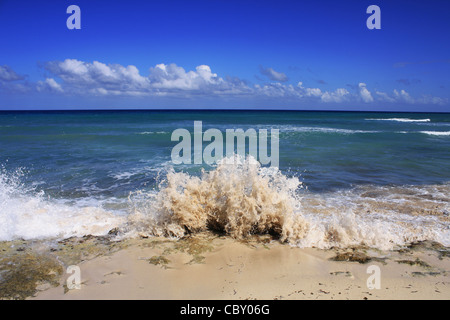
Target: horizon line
x=214 y=109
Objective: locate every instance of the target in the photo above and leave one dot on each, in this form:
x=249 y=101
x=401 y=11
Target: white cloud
x=309 y=92
x=277 y=90
x=364 y=93
x=49 y=84
x=173 y=77
x=300 y=92
x=339 y=95
x=383 y=96
x=403 y=96
x=313 y=92
x=114 y=79
x=97 y=78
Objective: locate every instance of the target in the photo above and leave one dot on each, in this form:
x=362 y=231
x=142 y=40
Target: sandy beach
x=208 y=266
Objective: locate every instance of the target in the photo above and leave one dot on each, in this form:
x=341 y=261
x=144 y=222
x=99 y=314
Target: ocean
x=344 y=178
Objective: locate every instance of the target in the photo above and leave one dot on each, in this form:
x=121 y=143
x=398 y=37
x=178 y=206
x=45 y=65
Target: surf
x=245 y=199
x=28 y=214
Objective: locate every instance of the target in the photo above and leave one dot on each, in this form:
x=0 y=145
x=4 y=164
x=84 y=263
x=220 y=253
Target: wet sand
x=208 y=266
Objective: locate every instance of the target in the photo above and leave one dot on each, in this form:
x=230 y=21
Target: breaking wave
x=27 y=214
x=436 y=133
x=246 y=199
x=239 y=200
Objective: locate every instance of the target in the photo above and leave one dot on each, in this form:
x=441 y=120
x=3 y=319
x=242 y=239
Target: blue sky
x=225 y=54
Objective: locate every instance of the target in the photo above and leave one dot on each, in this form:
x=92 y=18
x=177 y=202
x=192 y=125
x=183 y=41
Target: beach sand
x=208 y=266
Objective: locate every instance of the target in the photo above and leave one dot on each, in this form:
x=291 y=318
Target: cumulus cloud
x=313 y=92
x=72 y=76
x=301 y=92
x=364 y=93
x=273 y=75
x=339 y=95
x=97 y=77
x=174 y=78
x=403 y=96
x=163 y=79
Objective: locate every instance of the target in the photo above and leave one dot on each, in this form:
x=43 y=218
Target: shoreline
x=206 y=266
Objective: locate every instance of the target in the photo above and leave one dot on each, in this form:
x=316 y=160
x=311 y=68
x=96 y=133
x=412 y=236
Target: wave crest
x=28 y=214
x=245 y=198
x=436 y=133
x=240 y=200
x=401 y=120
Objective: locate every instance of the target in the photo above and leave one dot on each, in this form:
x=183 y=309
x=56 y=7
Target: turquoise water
x=97 y=158
x=86 y=153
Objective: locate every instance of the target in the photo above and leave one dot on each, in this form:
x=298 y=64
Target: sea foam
x=238 y=200
x=244 y=199
x=436 y=133
x=27 y=214
x=401 y=120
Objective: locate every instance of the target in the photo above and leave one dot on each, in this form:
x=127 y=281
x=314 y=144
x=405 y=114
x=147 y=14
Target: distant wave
x=153 y=132
x=154 y=167
x=322 y=130
x=401 y=120
x=291 y=128
x=437 y=133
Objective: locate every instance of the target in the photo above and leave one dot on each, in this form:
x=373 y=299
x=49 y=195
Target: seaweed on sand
x=22 y=275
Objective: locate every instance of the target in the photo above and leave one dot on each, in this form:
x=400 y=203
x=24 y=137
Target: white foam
x=289 y=128
x=246 y=198
x=153 y=132
x=401 y=120
x=436 y=133
x=123 y=175
x=25 y=214
x=239 y=199
x=391 y=217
